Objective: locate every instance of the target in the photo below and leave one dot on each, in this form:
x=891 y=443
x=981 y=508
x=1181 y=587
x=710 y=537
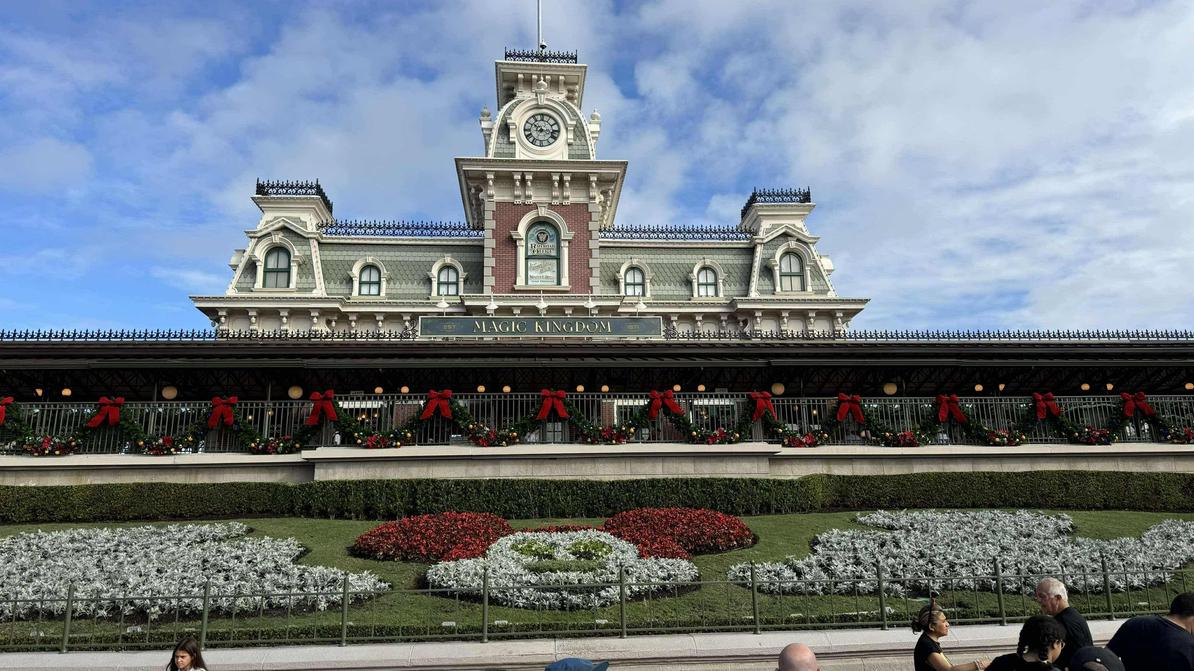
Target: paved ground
x=838 y=650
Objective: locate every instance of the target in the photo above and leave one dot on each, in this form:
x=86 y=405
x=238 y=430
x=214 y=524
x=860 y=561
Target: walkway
x=838 y=650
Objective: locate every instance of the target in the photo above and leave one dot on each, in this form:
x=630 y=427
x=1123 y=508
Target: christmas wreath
x=949 y=411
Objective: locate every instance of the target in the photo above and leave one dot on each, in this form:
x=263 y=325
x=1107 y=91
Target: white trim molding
x=433 y=274
x=262 y=247
x=805 y=255
x=356 y=276
x=721 y=275
x=635 y=262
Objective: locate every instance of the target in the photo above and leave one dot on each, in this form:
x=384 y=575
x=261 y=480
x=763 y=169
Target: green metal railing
x=429 y=614
x=383 y=412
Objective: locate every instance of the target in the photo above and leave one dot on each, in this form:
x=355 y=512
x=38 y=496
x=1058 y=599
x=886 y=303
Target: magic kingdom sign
x=541 y=327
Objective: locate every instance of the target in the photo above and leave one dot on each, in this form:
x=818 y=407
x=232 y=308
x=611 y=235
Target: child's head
x=187 y=655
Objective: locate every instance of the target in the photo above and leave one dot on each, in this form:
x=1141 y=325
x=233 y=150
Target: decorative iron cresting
x=674 y=232
x=293 y=188
x=540 y=56
x=207 y=335
x=758 y=195
x=398 y=228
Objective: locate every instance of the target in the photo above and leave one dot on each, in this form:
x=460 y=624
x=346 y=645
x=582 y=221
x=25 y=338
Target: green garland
x=15 y=427
x=873 y=429
x=931 y=425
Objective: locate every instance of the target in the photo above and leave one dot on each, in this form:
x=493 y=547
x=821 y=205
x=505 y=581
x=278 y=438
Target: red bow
x=552 y=400
x=109 y=412
x=221 y=411
x=947 y=406
x=665 y=399
x=1137 y=401
x=762 y=401
x=438 y=400
x=849 y=405
x=1045 y=405
x=4 y=403
x=321 y=408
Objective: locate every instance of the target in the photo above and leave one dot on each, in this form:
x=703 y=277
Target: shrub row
x=520 y=499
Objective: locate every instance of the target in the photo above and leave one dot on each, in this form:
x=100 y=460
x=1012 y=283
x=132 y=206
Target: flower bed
x=558 y=571
x=105 y=565
x=432 y=538
x=679 y=532
x=963 y=543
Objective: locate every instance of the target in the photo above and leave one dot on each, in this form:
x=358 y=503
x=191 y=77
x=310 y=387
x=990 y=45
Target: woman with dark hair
x=928 y=655
x=1041 y=639
x=187 y=656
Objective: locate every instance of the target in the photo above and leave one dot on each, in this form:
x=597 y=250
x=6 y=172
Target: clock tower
x=539 y=193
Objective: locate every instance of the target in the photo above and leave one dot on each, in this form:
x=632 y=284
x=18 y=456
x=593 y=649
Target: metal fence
x=58 y=623
x=384 y=412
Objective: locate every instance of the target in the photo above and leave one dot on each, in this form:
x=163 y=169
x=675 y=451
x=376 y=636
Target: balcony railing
x=709 y=411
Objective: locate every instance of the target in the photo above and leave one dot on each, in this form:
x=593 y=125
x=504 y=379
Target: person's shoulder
x=924 y=643
x=1071 y=613
x=1003 y=663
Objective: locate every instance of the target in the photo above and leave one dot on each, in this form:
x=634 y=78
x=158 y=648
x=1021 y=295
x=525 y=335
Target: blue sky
x=975 y=165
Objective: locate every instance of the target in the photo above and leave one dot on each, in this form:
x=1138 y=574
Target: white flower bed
x=944 y=544
x=114 y=570
x=512 y=582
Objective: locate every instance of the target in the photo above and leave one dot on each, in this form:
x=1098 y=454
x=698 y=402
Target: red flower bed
x=433 y=538
x=660 y=532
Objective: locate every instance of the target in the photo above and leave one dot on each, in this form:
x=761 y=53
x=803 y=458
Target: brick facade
x=505 y=251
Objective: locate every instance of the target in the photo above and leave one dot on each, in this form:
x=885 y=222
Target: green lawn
x=408 y=613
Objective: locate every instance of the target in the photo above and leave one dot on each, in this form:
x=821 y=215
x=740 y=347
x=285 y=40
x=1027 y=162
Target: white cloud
x=999 y=165
x=44 y=164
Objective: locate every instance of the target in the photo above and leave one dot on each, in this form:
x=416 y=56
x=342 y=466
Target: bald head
x=797 y=657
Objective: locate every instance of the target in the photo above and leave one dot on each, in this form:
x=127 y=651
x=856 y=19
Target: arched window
x=447 y=283
x=635 y=282
x=277 y=269
x=791 y=273
x=543 y=255
x=706 y=283
x=370 y=281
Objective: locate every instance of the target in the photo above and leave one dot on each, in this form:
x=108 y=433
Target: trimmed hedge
x=521 y=499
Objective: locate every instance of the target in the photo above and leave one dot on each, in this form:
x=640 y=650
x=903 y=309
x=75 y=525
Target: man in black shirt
x=1055 y=600
x=1155 y=642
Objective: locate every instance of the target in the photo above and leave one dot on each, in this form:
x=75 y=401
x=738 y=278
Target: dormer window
x=370 y=281
x=277 y=269
x=635 y=282
x=447 y=282
x=706 y=283
x=791 y=272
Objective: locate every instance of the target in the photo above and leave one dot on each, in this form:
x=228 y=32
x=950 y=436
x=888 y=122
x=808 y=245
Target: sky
x=994 y=165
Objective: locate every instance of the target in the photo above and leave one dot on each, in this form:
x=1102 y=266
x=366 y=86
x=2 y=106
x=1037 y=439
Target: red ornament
x=1045 y=405
x=221 y=411
x=4 y=403
x=438 y=401
x=109 y=412
x=850 y=405
x=321 y=408
x=552 y=401
x=663 y=400
x=947 y=406
x=763 y=404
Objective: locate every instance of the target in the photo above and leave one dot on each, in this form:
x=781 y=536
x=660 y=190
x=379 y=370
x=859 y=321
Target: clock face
x=541 y=129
